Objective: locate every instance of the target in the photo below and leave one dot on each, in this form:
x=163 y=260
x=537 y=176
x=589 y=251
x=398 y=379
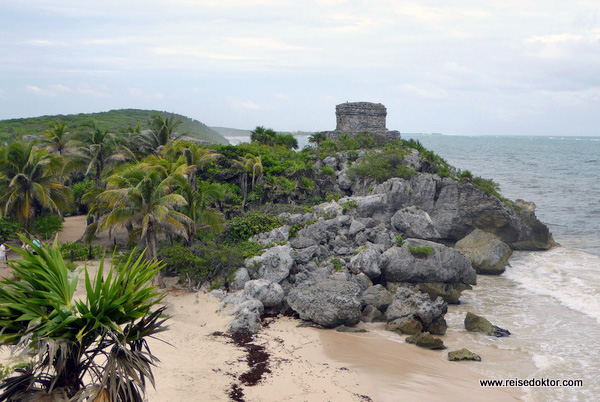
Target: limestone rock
x=425 y=340
x=411 y=304
x=414 y=222
x=405 y=325
x=273 y=265
x=328 y=303
x=443 y=264
x=245 y=322
x=475 y=323
x=240 y=278
x=463 y=354
x=269 y=293
x=367 y=261
x=280 y=234
x=371 y=314
x=450 y=292
x=488 y=254
x=377 y=296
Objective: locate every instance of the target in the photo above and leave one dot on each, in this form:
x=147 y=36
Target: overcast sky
x=457 y=67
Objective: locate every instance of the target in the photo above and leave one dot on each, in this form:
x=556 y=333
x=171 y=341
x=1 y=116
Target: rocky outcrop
x=418 y=306
x=442 y=264
x=368 y=260
x=456 y=208
x=329 y=303
x=463 y=354
x=414 y=222
x=273 y=265
x=488 y=254
x=377 y=296
x=475 y=323
x=270 y=294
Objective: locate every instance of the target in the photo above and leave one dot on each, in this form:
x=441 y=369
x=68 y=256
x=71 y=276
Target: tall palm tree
x=30 y=182
x=199 y=205
x=96 y=150
x=161 y=133
x=144 y=198
x=249 y=165
x=56 y=139
x=195 y=157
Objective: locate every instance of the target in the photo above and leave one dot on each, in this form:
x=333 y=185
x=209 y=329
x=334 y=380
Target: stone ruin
x=360 y=117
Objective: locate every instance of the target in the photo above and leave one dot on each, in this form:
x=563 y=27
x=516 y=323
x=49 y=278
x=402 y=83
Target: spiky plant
x=88 y=349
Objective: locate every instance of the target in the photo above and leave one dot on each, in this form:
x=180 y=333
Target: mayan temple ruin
x=360 y=117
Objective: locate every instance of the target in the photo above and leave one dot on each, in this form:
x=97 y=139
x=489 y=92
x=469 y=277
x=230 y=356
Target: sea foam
x=569 y=276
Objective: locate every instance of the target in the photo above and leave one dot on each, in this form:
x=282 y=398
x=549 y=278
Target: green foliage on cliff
x=488 y=185
x=117 y=121
x=382 y=165
x=420 y=252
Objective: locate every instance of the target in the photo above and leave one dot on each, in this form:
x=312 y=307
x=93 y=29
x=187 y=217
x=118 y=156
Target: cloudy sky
x=500 y=67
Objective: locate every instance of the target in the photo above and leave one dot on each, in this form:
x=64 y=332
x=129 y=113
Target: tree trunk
x=158 y=279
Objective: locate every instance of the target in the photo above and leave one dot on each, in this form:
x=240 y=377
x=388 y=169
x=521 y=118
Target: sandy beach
x=306 y=364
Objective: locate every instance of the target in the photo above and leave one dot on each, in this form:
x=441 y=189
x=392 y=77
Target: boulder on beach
x=425 y=261
x=405 y=325
x=417 y=305
x=488 y=254
x=475 y=323
x=425 y=340
x=329 y=303
x=463 y=354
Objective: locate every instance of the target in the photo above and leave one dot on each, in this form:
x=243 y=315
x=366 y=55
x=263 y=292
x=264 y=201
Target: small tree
x=93 y=349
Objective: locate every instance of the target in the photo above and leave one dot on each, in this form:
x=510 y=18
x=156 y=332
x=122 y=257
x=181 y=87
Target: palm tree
x=143 y=198
x=97 y=150
x=195 y=157
x=199 y=203
x=30 y=182
x=56 y=139
x=161 y=133
x=88 y=349
x=248 y=164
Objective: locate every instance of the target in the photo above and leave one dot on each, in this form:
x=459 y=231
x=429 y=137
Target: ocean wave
x=569 y=276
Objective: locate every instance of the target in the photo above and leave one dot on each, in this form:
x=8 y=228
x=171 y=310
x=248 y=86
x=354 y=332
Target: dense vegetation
x=194 y=207
x=117 y=121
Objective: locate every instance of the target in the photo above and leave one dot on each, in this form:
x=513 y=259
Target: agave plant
x=88 y=349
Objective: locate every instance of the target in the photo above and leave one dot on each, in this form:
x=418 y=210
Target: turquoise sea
x=550 y=300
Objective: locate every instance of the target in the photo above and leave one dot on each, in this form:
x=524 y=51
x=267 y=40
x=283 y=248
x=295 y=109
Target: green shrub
x=80 y=251
x=46 y=226
x=348 y=206
x=337 y=264
x=78 y=190
x=296 y=227
x=420 y=252
x=489 y=186
x=9 y=228
x=327 y=171
x=243 y=228
x=382 y=165
x=465 y=175
x=399 y=241
x=205 y=262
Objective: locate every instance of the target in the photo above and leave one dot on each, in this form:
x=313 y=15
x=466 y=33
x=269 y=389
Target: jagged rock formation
x=385 y=252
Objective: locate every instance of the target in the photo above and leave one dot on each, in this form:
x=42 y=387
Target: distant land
x=114 y=120
x=236 y=132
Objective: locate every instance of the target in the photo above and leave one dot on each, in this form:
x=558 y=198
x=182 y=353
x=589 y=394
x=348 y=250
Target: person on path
x=3 y=255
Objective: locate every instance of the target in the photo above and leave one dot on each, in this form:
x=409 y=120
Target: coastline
x=306 y=364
